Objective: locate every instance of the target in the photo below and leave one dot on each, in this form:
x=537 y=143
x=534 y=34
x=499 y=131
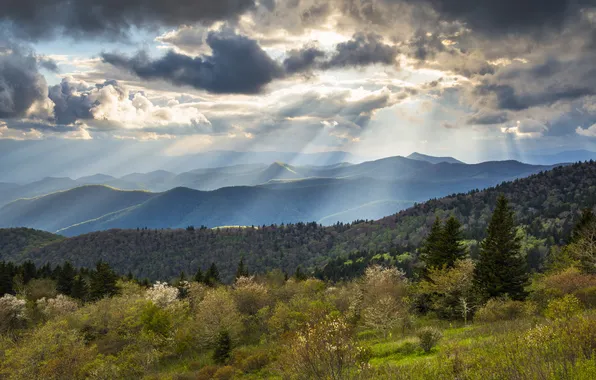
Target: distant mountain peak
x=433 y=159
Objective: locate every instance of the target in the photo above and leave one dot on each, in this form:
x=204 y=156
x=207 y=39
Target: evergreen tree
x=241 y=271
x=223 y=347
x=501 y=270
x=28 y=271
x=102 y=282
x=79 y=288
x=452 y=248
x=6 y=275
x=432 y=248
x=212 y=276
x=199 y=276
x=65 y=278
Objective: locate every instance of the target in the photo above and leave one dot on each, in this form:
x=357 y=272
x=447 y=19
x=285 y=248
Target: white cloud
x=588 y=132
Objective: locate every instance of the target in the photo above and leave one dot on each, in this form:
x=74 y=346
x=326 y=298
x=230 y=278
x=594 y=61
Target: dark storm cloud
x=522 y=86
x=363 y=49
x=21 y=85
x=48 y=64
x=302 y=60
x=88 y=18
x=71 y=102
x=488 y=117
x=505 y=16
x=237 y=65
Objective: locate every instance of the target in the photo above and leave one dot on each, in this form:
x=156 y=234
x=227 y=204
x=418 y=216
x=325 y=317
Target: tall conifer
x=501 y=270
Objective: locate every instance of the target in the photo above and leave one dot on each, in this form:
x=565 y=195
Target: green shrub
x=429 y=337
x=207 y=372
x=587 y=296
x=502 y=309
x=563 y=308
x=224 y=373
x=255 y=362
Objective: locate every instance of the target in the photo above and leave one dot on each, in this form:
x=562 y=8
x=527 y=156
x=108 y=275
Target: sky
x=473 y=79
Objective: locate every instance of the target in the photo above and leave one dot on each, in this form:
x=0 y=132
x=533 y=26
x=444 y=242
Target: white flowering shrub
x=12 y=313
x=326 y=350
x=162 y=294
x=250 y=296
x=60 y=305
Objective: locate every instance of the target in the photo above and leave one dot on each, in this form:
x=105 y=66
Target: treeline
x=79 y=283
x=546 y=206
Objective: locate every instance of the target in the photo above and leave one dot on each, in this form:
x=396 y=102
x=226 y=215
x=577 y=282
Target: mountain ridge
x=546 y=207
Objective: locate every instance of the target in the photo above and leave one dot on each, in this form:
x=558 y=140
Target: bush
x=326 y=350
x=162 y=294
x=587 y=296
x=429 y=337
x=255 y=362
x=206 y=373
x=58 y=306
x=224 y=373
x=502 y=309
x=12 y=313
x=563 y=308
x=217 y=312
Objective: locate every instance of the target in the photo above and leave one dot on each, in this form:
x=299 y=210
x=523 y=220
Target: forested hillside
x=546 y=206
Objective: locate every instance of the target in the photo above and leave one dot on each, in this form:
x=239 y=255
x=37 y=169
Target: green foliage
x=429 y=337
x=503 y=309
x=449 y=291
x=432 y=250
x=223 y=347
x=443 y=245
x=155 y=320
x=102 y=282
x=501 y=270
x=563 y=308
x=241 y=271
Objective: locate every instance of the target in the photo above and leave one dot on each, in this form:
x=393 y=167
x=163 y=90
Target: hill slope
x=394 y=182
x=546 y=205
x=64 y=208
x=433 y=159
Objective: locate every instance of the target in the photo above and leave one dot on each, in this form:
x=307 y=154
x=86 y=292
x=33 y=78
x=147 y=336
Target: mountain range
x=249 y=194
x=546 y=207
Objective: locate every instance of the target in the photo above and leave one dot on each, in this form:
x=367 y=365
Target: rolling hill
x=288 y=194
x=546 y=205
x=421 y=168
x=433 y=159
x=65 y=208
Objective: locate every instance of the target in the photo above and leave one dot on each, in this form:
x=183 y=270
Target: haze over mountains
x=546 y=207
x=247 y=194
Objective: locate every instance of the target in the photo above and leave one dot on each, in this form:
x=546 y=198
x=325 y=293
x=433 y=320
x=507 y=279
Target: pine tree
x=6 y=276
x=241 y=271
x=223 y=347
x=65 y=279
x=452 y=248
x=102 y=282
x=432 y=248
x=199 y=277
x=79 y=288
x=212 y=276
x=501 y=270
